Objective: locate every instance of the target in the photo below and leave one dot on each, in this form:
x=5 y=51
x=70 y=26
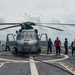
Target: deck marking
x=1 y=64
x=68 y=68
x=33 y=67
x=23 y=61
x=13 y=60
x=66 y=56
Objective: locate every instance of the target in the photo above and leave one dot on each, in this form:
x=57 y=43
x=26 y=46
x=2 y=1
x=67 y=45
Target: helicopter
x=27 y=38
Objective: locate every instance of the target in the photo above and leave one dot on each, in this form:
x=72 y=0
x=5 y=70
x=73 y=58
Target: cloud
x=40 y=11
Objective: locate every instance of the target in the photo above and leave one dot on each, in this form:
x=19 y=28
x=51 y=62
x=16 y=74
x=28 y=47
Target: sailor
x=73 y=46
x=49 y=46
x=66 y=46
x=57 y=44
x=7 y=45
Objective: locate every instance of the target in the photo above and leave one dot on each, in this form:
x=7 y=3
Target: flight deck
x=36 y=64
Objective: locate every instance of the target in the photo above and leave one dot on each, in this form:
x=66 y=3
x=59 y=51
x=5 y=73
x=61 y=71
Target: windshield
x=27 y=35
x=20 y=36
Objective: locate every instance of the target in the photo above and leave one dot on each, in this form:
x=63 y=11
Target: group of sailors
x=57 y=44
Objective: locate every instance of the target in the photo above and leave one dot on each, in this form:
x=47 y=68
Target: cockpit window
x=27 y=35
x=20 y=36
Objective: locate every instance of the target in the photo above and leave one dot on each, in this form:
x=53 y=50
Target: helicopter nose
x=26 y=44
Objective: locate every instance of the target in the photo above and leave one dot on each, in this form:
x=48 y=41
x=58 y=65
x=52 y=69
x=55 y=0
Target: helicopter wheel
x=39 y=50
x=15 y=51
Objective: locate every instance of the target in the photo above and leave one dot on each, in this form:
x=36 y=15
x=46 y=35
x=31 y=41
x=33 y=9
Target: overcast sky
x=58 y=11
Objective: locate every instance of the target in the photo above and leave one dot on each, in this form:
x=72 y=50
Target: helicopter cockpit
x=26 y=35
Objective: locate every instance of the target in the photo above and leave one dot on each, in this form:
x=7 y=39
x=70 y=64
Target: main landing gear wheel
x=14 y=51
x=39 y=50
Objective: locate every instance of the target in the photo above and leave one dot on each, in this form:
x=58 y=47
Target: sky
x=39 y=11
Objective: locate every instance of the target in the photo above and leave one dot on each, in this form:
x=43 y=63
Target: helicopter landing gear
x=39 y=50
x=15 y=51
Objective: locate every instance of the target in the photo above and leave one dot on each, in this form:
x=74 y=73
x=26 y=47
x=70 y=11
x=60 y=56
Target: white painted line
x=65 y=57
x=33 y=67
x=1 y=64
x=54 y=60
x=46 y=54
x=13 y=60
x=67 y=68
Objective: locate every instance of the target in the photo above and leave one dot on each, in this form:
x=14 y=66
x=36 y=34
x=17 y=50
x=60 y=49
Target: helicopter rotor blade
x=58 y=24
x=39 y=23
x=51 y=27
x=9 y=23
x=9 y=27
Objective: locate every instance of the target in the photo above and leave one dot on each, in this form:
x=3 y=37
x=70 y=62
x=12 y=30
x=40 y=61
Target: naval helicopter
x=27 y=38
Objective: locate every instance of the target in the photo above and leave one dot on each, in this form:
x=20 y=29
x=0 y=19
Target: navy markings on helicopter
x=27 y=39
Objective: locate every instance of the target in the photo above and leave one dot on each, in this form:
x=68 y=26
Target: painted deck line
x=9 y=60
x=67 y=68
x=1 y=65
x=65 y=57
x=33 y=67
x=19 y=61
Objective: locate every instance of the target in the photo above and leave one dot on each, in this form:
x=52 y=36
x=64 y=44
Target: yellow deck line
x=72 y=70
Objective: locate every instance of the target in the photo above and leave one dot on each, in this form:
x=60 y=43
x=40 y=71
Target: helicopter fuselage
x=26 y=41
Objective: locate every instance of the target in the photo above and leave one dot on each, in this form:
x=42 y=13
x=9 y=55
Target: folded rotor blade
x=50 y=27
x=58 y=24
x=9 y=27
x=9 y=23
x=39 y=23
